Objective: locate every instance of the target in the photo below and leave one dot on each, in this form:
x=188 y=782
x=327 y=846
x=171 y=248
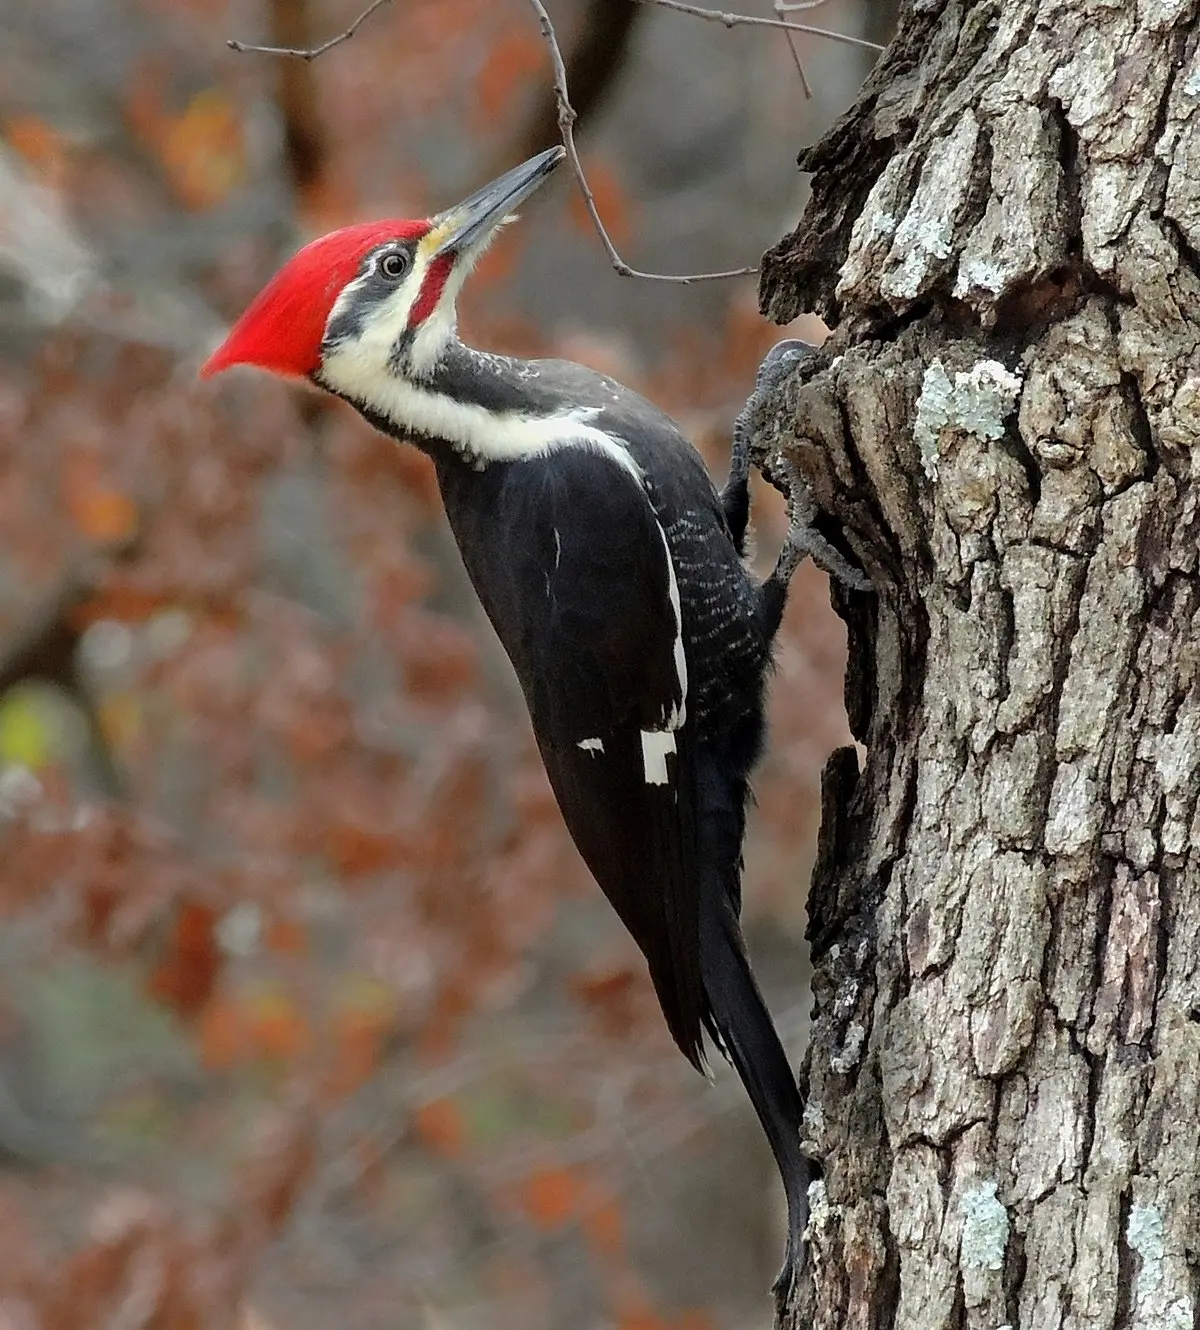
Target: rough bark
x=1004 y=1082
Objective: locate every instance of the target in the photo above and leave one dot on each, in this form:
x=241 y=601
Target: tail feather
x=740 y=1022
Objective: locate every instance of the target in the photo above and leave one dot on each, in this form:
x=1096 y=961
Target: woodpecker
x=612 y=571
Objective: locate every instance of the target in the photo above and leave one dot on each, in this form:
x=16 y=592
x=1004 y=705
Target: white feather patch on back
x=656 y=745
x=591 y=745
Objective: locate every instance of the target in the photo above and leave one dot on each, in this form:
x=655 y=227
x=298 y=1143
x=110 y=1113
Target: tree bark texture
x=1004 y=1080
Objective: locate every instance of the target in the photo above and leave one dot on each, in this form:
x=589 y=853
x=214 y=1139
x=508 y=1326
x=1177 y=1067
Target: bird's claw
x=804 y=540
x=779 y=361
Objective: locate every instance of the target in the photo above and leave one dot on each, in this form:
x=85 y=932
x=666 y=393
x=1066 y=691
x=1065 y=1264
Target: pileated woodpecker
x=612 y=571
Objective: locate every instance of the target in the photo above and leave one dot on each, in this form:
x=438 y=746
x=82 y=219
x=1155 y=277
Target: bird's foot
x=804 y=540
x=779 y=362
x=776 y=365
x=735 y=497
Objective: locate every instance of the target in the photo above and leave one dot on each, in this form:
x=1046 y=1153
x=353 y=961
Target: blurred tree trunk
x=1004 y=1082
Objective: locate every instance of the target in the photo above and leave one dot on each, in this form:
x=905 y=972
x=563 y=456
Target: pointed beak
x=474 y=219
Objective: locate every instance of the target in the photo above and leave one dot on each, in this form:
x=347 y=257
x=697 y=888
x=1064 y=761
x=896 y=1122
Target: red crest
x=282 y=329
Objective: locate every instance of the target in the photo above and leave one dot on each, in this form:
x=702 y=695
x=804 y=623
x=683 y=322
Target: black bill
x=476 y=216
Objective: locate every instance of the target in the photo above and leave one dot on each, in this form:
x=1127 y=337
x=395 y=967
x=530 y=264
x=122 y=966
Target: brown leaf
x=187 y=971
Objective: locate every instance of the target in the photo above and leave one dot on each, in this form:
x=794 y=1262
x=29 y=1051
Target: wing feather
x=585 y=599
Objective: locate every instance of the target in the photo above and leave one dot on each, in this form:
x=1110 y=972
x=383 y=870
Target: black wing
x=580 y=587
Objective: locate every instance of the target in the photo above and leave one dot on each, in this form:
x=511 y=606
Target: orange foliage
x=201 y=148
x=310 y=819
x=639 y=1318
x=612 y=203
x=100 y=510
x=612 y=997
x=39 y=143
x=277 y=1027
x=440 y=1126
x=552 y=1196
x=604 y=1226
x=223 y=1035
x=358 y=1031
x=203 y=152
x=355 y=850
x=509 y=68
x=287 y=936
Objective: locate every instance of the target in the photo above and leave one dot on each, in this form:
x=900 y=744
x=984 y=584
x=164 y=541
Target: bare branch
x=567 y=114
x=566 y=123
x=310 y=53
x=752 y=20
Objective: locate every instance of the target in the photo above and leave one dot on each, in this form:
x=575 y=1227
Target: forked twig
x=566 y=126
x=754 y=21
x=567 y=115
x=311 y=52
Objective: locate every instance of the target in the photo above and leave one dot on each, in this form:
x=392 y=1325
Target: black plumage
x=566 y=552
x=613 y=573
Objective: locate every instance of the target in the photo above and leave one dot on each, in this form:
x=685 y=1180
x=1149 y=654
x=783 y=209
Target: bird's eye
x=395 y=264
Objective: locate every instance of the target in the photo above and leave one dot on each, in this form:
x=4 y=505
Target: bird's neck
x=484 y=408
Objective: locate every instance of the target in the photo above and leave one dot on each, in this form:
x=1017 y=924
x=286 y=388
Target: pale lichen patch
x=1157 y=1306
x=977 y=401
x=924 y=240
x=985 y=1229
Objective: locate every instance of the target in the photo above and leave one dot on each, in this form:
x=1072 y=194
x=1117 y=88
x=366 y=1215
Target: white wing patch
x=678 y=714
x=656 y=745
x=591 y=745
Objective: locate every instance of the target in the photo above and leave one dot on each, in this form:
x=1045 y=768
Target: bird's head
x=375 y=299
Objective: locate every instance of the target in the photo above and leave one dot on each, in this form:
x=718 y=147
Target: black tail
x=740 y=1021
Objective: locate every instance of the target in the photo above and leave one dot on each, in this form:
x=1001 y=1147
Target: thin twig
x=714 y=15
x=566 y=121
x=781 y=7
x=790 y=38
x=567 y=114
x=310 y=53
x=753 y=20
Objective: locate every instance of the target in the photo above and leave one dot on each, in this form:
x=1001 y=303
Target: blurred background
x=309 y=1013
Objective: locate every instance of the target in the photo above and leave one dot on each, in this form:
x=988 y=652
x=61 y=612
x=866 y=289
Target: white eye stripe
x=365 y=325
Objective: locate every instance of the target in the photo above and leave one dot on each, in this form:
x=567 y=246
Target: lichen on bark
x=1004 y=1080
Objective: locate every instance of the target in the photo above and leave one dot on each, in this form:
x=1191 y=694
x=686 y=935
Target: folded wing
x=601 y=661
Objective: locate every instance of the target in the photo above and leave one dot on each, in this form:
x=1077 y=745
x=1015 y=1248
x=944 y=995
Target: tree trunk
x=1004 y=1081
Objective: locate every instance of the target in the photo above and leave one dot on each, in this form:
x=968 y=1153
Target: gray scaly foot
x=803 y=538
x=735 y=497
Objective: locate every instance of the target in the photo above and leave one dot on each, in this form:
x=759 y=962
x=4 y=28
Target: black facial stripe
x=371 y=289
x=401 y=350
